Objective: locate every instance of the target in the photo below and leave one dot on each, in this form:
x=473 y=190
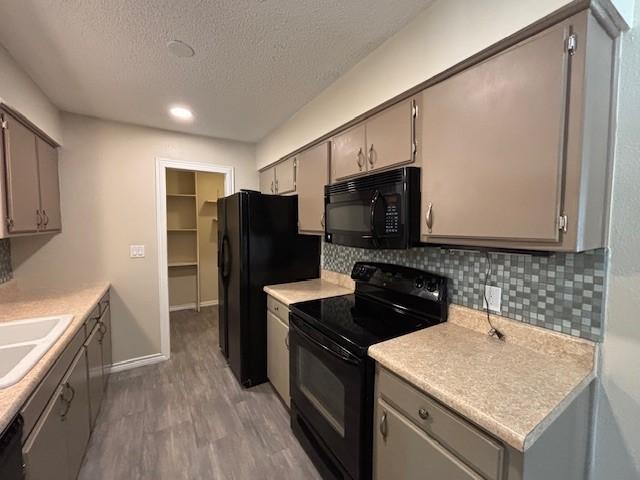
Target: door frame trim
x=162 y=164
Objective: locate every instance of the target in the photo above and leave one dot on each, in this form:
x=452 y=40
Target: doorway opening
x=186 y=203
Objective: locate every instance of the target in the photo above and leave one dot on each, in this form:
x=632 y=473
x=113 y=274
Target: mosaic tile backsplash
x=562 y=291
x=5 y=261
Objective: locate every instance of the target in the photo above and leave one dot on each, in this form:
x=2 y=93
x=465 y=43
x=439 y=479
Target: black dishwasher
x=11 y=451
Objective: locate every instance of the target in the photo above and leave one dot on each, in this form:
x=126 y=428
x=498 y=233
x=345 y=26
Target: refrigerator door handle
x=226 y=258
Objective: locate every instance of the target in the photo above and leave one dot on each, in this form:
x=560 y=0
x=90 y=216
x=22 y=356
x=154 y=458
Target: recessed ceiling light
x=180 y=49
x=181 y=113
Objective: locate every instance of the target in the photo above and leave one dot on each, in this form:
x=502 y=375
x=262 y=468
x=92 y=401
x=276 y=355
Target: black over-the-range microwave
x=381 y=210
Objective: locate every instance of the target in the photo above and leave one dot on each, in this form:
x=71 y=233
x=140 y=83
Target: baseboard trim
x=137 y=362
x=191 y=306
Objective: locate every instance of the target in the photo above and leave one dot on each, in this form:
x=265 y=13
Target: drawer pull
x=423 y=413
x=383 y=425
x=286 y=341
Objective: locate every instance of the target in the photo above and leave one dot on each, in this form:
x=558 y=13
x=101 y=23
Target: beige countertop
x=295 y=292
x=16 y=304
x=514 y=389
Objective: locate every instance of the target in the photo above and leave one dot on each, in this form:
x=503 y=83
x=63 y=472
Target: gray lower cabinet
x=278 y=347
x=104 y=325
x=404 y=451
x=75 y=414
x=96 y=380
x=416 y=437
x=61 y=412
x=45 y=452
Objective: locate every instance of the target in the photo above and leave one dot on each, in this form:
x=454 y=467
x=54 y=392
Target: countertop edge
x=274 y=291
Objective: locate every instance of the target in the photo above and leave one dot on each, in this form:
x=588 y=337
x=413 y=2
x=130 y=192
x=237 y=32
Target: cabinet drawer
x=36 y=403
x=474 y=447
x=279 y=309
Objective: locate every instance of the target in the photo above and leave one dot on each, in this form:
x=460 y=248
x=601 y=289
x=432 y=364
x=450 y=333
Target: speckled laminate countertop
x=512 y=391
x=295 y=292
x=17 y=303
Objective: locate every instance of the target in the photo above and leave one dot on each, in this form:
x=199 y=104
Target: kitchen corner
x=17 y=302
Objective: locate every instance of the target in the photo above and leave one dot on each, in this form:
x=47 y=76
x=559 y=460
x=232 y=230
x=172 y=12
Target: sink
x=24 y=342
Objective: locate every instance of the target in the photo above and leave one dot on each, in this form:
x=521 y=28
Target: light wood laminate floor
x=188 y=418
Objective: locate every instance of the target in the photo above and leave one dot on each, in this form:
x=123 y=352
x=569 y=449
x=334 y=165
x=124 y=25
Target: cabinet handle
x=383 y=425
x=46 y=218
x=429 y=217
x=67 y=386
x=272 y=190
x=276 y=185
x=102 y=328
x=286 y=340
x=371 y=153
x=322 y=221
x=359 y=159
x=38 y=218
x=423 y=413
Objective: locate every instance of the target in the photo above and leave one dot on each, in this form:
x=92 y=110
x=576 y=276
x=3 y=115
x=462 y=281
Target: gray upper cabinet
x=514 y=149
x=286 y=176
x=390 y=136
x=268 y=181
x=29 y=188
x=49 y=186
x=312 y=176
x=348 y=155
x=21 y=167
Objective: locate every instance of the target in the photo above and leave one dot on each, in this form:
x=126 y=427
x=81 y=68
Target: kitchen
x=437 y=280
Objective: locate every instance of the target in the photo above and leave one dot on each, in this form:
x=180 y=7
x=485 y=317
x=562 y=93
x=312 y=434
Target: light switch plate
x=136 y=251
x=494 y=298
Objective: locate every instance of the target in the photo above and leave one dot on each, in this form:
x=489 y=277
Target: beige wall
x=444 y=34
x=107 y=179
x=617 y=446
x=18 y=91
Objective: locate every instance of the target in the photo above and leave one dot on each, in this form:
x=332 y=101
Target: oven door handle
x=347 y=357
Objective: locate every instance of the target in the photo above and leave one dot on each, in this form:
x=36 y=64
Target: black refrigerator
x=258 y=245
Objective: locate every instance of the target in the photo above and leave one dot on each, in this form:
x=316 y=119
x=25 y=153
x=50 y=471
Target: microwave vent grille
x=368 y=182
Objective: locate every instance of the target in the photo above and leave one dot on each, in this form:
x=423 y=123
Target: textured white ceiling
x=256 y=62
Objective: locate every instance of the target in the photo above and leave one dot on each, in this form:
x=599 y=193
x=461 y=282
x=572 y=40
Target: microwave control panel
x=392 y=215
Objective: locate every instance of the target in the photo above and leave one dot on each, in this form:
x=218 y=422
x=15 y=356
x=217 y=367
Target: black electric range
x=332 y=379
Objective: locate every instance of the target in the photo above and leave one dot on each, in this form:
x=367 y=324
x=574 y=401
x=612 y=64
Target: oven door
x=328 y=391
x=369 y=218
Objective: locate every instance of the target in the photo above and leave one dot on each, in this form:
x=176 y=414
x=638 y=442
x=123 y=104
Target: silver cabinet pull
x=68 y=402
x=322 y=221
x=46 y=218
x=359 y=159
x=272 y=190
x=286 y=340
x=371 y=153
x=276 y=185
x=423 y=413
x=429 y=217
x=383 y=425
x=38 y=219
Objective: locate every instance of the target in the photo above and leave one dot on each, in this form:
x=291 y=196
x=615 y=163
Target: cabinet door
x=404 y=451
x=493 y=141
x=23 y=196
x=390 y=136
x=348 y=153
x=45 y=451
x=49 y=185
x=76 y=420
x=311 y=177
x=286 y=176
x=105 y=341
x=268 y=181
x=278 y=355
x=96 y=382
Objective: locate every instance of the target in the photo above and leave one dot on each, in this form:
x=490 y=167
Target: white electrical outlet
x=494 y=298
x=136 y=251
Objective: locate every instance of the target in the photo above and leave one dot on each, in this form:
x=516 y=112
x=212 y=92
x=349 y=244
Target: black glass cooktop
x=356 y=322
